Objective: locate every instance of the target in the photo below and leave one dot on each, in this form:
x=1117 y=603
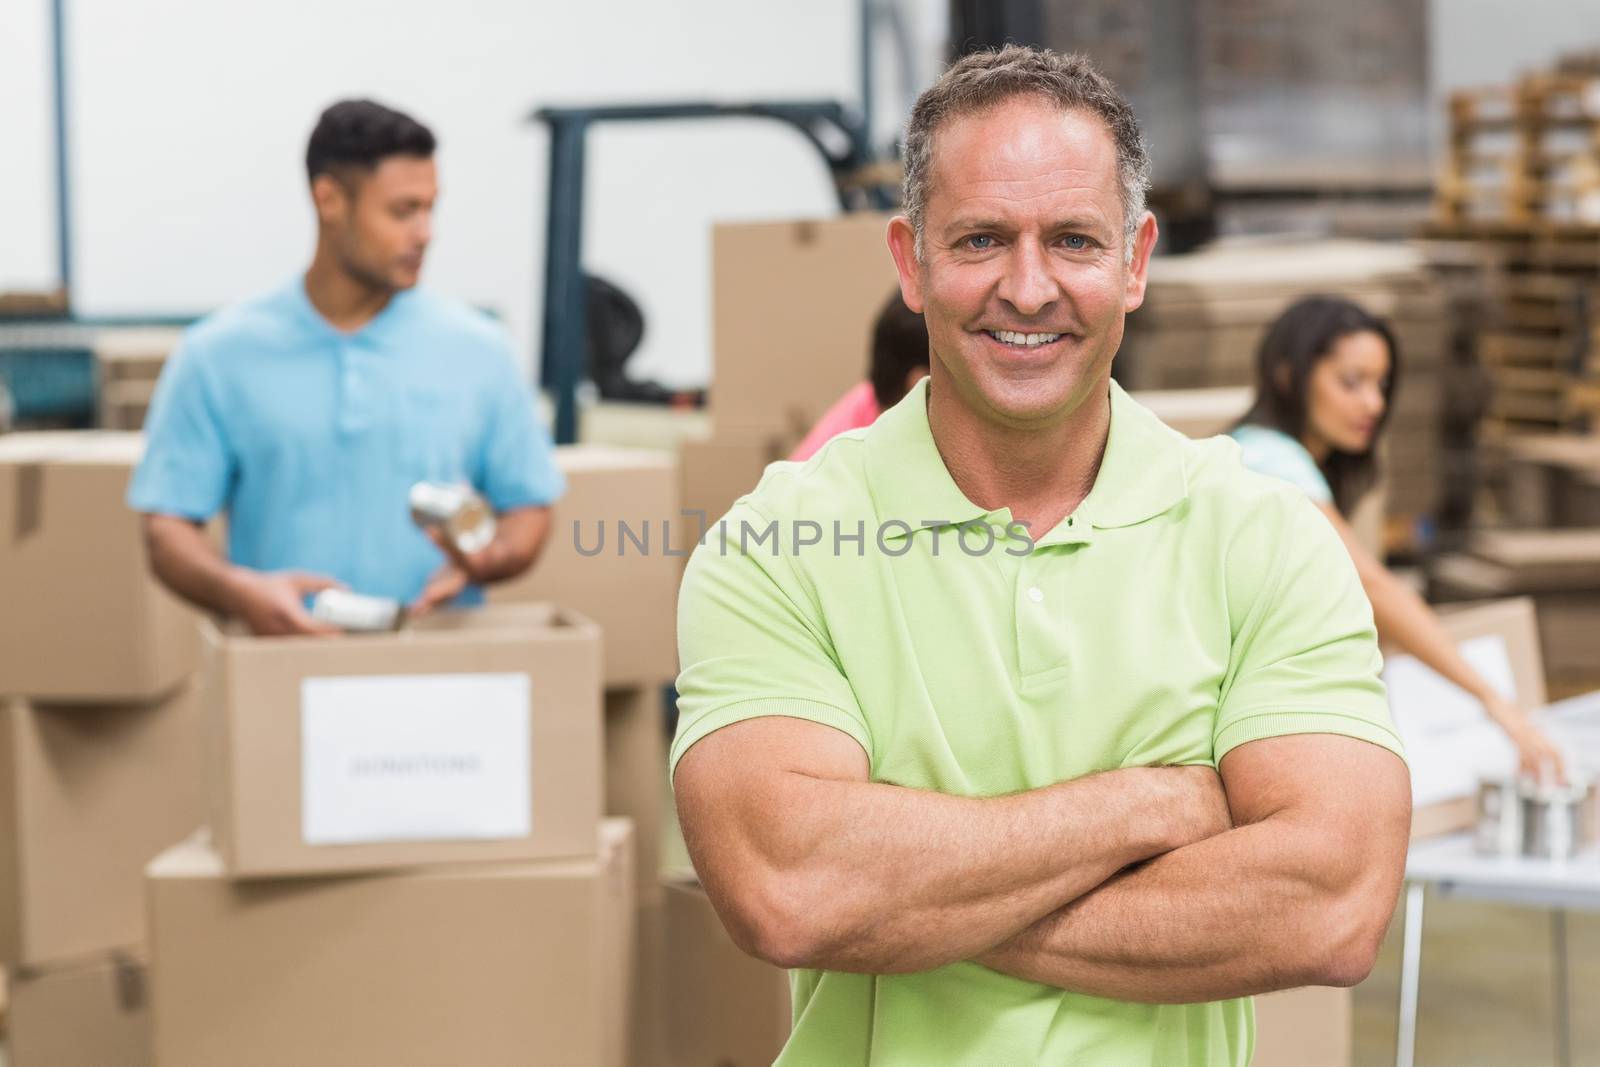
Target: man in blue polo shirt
x=307 y=414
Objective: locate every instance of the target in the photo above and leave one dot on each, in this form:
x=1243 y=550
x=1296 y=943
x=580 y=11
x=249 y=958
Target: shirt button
x=1035 y=594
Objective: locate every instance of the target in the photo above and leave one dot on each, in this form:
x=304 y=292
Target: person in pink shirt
x=899 y=361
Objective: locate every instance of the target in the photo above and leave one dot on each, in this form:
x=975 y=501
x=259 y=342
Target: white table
x=1451 y=867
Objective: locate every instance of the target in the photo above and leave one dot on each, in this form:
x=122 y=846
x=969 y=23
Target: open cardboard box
x=467 y=735
x=1448 y=738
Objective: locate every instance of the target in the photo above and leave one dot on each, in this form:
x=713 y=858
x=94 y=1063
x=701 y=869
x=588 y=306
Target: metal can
x=356 y=613
x=1499 y=831
x=456 y=511
x=1558 y=821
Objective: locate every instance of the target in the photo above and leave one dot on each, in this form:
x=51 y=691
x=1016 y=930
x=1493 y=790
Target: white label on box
x=420 y=757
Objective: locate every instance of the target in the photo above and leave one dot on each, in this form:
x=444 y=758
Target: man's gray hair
x=982 y=80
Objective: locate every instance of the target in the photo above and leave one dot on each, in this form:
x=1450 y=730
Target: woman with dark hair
x=1326 y=374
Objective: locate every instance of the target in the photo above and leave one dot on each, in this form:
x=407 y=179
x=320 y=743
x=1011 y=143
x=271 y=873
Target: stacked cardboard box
x=490 y=963
x=128 y=363
x=88 y=1013
x=793 y=307
x=83 y=619
x=615 y=554
x=100 y=744
x=406 y=861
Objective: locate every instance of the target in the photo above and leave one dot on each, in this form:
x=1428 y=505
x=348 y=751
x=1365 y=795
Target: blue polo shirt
x=310 y=439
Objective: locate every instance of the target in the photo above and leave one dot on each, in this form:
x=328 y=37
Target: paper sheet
x=1450 y=742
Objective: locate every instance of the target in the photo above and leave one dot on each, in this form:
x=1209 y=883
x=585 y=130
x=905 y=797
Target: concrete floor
x=1485 y=994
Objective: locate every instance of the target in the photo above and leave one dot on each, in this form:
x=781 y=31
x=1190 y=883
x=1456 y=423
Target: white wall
x=1478 y=43
x=190 y=118
x=27 y=163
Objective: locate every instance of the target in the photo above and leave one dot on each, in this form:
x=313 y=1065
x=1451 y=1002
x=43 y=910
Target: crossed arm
x=1159 y=884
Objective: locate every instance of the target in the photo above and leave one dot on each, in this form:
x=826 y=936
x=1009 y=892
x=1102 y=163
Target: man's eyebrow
x=979 y=223
x=1071 y=222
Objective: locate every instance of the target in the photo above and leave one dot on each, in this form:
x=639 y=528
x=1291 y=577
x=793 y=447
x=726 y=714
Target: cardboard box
x=1568 y=614
x=1308 y=1027
x=718 y=471
x=647 y=1023
x=83 y=619
x=625 y=581
x=793 y=306
x=87 y=796
x=481 y=964
x=1511 y=623
x=636 y=774
x=89 y=1013
x=470 y=735
x=724 y=1008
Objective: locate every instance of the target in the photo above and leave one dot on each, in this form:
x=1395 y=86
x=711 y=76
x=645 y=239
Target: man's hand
x=1537 y=755
x=519 y=537
x=474 y=567
x=444 y=586
x=272 y=604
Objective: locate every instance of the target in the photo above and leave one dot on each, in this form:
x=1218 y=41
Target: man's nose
x=1028 y=284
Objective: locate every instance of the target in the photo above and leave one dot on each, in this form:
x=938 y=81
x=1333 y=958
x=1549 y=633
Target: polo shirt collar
x=1142 y=473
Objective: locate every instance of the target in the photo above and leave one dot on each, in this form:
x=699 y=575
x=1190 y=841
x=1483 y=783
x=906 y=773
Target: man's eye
x=980 y=242
x=1077 y=242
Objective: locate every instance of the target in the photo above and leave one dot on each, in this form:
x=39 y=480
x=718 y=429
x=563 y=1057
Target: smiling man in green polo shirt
x=1022 y=729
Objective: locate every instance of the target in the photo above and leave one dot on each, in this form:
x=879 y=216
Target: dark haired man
x=307 y=414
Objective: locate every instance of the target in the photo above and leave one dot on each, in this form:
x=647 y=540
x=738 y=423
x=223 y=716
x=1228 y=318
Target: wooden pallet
x=1524 y=153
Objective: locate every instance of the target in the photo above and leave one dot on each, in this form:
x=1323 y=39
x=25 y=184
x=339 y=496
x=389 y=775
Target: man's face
x=1024 y=278
x=380 y=221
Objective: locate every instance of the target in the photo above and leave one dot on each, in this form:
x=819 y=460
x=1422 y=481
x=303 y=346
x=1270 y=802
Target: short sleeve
x=518 y=467
x=1280 y=456
x=750 y=646
x=188 y=463
x=1305 y=659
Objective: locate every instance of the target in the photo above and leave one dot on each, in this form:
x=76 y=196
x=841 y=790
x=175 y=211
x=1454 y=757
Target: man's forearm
x=519 y=539
x=1255 y=909
x=884 y=879
x=188 y=563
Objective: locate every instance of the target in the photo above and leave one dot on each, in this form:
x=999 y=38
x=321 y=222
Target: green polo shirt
x=1188 y=606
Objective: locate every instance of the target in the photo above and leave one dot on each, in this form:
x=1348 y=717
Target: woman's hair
x=899 y=346
x=1299 y=339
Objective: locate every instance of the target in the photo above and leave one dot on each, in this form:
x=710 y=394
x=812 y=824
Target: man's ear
x=331 y=198
x=1144 y=242
x=903 y=247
